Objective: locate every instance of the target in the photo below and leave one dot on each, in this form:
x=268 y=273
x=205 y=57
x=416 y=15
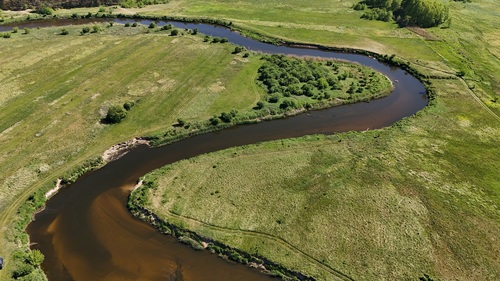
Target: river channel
x=86 y=232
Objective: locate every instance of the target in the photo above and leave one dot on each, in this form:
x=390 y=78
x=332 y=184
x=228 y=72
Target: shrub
x=6 y=35
x=44 y=10
x=22 y=269
x=228 y=117
x=238 y=49
x=152 y=25
x=35 y=257
x=64 y=31
x=167 y=27
x=191 y=242
x=128 y=105
x=174 y=32
x=96 y=29
x=274 y=99
x=181 y=122
x=359 y=6
x=127 y=24
x=15 y=29
x=377 y=14
x=115 y=114
x=27 y=31
x=134 y=24
x=214 y=121
x=86 y=29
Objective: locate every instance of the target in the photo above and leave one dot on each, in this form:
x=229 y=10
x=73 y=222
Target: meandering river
x=86 y=232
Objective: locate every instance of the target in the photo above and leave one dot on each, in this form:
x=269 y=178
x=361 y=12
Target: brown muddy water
x=86 y=232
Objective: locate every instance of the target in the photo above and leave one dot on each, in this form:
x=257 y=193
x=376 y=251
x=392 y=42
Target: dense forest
x=424 y=13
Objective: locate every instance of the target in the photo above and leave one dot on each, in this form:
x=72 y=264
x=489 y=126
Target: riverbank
x=136 y=205
x=444 y=93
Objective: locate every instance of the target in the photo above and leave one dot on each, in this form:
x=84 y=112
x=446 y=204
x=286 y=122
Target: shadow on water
x=86 y=232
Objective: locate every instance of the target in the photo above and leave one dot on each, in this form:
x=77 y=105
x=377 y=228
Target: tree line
x=67 y=4
x=423 y=13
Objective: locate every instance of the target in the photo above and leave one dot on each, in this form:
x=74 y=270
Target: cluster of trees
x=27 y=265
x=293 y=83
x=215 y=39
x=424 y=13
x=226 y=117
x=128 y=24
x=291 y=76
x=285 y=77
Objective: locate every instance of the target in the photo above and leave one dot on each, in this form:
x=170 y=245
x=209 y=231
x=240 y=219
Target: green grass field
x=55 y=89
x=392 y=204
x=418 y=198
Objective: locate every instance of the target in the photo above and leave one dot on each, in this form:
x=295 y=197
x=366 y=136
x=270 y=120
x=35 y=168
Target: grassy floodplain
x=418 y=198
x=54 y=90
x=421 y=196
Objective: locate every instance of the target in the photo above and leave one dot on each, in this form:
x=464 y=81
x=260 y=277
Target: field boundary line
x=479 y=100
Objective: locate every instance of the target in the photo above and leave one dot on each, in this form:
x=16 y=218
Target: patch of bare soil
x=118 y=150
x=423 y=33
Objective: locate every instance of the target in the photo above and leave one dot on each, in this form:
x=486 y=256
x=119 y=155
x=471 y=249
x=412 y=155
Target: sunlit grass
x=387 y=204
x=55 y=89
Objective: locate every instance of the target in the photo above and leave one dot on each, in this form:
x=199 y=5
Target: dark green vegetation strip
x=293 y=83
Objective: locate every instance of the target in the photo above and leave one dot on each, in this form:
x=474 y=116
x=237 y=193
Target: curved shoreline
x=379 y=57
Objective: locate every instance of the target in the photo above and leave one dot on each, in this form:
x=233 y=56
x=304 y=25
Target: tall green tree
x=424 y=13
